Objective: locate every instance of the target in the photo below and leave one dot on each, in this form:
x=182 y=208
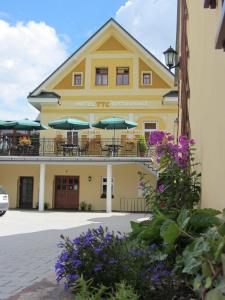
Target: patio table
x=114 y=149
x=70 y=148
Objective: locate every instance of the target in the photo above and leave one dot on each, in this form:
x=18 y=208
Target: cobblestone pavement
x=28 y=245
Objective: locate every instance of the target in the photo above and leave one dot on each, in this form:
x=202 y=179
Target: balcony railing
x=66 y=147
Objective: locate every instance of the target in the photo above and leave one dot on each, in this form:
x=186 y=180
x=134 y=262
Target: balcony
x=53 y=147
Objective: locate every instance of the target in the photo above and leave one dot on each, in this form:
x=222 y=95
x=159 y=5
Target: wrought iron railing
x=34 y=146
x=133 y=205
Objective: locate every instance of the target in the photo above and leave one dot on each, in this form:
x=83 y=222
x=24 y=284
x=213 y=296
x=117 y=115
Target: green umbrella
x=114 y=123
x=25 y=125
x=3 y=124
x=69 y=124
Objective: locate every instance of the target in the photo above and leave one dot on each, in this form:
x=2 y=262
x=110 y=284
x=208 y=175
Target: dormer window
x=77 y=79
x=146 y=78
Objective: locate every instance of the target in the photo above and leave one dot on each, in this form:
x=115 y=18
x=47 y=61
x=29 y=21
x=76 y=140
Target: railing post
x=43 y=147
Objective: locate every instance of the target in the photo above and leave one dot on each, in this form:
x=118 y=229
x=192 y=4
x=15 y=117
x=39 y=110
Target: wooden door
x=67 y=192
x=26 y=192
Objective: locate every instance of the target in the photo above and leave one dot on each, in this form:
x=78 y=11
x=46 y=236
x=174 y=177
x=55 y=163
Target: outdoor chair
x=84 y=149
x=104 y=149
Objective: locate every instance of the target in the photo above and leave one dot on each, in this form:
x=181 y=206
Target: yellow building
x=201 y=34
x=111 y=74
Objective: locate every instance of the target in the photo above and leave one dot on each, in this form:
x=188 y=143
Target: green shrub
x=83 y=206
x=89 y=207
x=46 y=205
x=107 y=260
x=142 y=144
x=86 y=291
x=196 y=239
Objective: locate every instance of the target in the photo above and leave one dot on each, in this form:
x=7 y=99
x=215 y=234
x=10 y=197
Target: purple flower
x=107 y=236
x=76 y=263
x=73 y=277
x=161 y=188
x=97 y=250
x=98 y=267
x=64 y=256
x=112 y=261
x=156 y=137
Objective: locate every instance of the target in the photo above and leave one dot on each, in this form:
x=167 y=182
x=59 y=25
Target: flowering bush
x=95 y=254
x=178 y=184
x=106 y=259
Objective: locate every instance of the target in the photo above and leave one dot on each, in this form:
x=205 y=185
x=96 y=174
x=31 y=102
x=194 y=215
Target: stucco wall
x=207 y=100
x=126 y=181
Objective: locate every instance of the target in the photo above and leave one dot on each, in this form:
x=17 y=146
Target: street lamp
x=170 y=58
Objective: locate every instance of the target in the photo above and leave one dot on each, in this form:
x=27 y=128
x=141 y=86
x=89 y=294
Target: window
x=72 y=137
x=104 y=187
x=77 y=79
x=122 y=76
x=101 y=76
x=148 y=128
x=146 y=78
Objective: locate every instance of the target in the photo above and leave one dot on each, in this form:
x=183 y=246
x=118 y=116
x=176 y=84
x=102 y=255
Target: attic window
x=101 y=76
x=210 y=4
x=77 y=79
x=146 y=78
x=122 y=76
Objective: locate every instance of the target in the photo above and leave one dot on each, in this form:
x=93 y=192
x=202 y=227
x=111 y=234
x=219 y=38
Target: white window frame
x=150 y=130
x=105 y=183
x=73 y=78
x=142 y=78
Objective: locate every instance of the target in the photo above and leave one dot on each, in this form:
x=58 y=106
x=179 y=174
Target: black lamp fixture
x=89 y=178
x=171 y=58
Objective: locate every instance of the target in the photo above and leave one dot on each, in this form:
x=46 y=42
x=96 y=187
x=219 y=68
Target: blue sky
x=72 y=19
x=37 y=36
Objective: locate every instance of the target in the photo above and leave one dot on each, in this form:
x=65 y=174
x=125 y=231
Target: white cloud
x=152 y=22
x=28 y=53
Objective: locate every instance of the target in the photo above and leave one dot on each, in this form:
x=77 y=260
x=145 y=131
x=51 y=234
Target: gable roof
x=113 y=21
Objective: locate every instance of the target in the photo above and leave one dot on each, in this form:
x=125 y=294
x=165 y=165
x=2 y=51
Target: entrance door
x=67 y=192
x=26 y=192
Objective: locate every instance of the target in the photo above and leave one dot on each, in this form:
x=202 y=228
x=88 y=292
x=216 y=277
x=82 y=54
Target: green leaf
x=208 y=282
x=136 y=227
x=192 y=266
x=192 y=255
x=216 y=294
x=204 y=218
x=197 y=283
x=183 y=218
x=206 y=270
x=169 y=231
x=219 y=249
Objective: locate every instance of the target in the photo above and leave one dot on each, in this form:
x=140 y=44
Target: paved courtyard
x=28 y=243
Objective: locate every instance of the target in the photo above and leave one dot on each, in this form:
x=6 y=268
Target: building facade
x=201 y=32
x=111 y=75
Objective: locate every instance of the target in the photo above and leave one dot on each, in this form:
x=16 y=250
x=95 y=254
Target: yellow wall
x=66 y=82
x=157 y=82
x=126 y=180
x=9 y=178
x=207 y=100
x=112 y=44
